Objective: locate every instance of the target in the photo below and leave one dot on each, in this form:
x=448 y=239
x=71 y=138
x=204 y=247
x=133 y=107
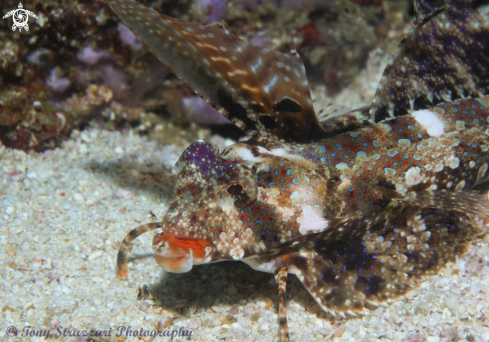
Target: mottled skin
x=357 y=207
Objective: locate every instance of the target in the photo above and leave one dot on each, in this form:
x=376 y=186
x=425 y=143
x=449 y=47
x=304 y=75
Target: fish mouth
x=178 y=254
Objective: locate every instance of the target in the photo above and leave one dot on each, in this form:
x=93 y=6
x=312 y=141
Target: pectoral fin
x=370 y=262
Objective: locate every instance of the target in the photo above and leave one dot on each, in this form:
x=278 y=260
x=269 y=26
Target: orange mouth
x=178 y=254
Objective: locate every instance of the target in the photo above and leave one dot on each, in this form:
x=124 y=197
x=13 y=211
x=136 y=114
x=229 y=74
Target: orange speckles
x=168 y=323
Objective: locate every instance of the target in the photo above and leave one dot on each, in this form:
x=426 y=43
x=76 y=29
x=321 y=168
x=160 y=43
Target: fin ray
x=377 y=260
x=263 y=92
x=443 y=59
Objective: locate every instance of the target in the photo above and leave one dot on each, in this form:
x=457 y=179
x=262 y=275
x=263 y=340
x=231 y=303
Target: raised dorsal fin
x=445 y=58
x=263 y=92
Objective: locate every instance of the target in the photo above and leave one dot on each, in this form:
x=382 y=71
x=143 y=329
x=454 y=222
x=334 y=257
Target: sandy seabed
x=64 y=212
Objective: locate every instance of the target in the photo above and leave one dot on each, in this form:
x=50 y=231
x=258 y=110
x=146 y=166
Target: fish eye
x=235 y=189
x=238 y=184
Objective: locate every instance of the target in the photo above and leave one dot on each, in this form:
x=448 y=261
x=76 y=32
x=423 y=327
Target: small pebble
x=54 y=276
x=95 y=255
x=324 y=332
x=168 y=322
x=244 y=322
x=193 y=324
x=124 y=193
x=56 y=263
x=143 y=306
x=234 y=311
x=37 y=215
x=229 y=319
x=54 y=323
x=10 y=249
x=79 y=198
x=255 y=317
x=410 y=295
x=85 y=137
x=216 y=322
x=83 y=149
x=433 y=339
x=452 y=302
x=25 y=245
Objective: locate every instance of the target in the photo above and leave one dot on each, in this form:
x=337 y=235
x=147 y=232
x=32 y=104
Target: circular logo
x=11 y=331
x=20 y=17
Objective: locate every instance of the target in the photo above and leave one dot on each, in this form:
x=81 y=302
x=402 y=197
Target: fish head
x=246 y=201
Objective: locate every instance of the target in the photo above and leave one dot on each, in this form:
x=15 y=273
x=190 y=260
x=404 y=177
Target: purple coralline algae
x=215 y=9
x=56 y=82
x=202 y=112
x=90 y=56
x=128 y=37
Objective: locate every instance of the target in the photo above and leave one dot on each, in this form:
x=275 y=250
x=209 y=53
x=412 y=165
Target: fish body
x=357 y=207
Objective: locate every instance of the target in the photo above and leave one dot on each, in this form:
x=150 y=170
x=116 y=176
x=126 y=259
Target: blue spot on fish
x=361 y=154
x=404 y=141
x=341 y=165
x=295 y=195
x=321 y=149
x=392 y=153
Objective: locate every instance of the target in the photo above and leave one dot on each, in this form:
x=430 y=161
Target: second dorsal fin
x=445 y=58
